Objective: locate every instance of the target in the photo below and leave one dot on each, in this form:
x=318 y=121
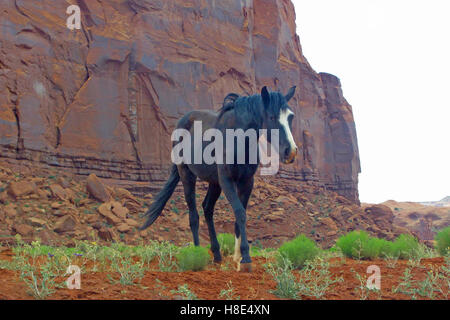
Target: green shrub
x=372 y=248
x=165 y=251
x=226 y=242
x=352 y=244
x=128 y=270
x=298 y=251
x=255 y=251
x=260 y=252
x=315 y=279
x=386 y=248
x=359 y=245
x=443 y=241
x=334 y=248
x=193 y=258
x=405 y=247
x=185 y=292
x=281 y=272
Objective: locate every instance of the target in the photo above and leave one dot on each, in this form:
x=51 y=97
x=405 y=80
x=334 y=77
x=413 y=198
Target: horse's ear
x=265 y=96
x=290 y=93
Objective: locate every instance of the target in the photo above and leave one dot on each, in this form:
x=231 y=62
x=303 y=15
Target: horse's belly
x=205 y=172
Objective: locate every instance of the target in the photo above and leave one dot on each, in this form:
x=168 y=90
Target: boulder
x=23 y=229
x=43 y=194
x=382 y=215
x=3 y=197
x=19 y=189
x=106 y=234
x=63 y=182
x=59 y=192
x=36 y=222
x=119 y=210
x=65 y=224
x=106 y=210
x=47 y=237
x=10 y=211
x=123 y=228
x=378 y=211
x=97 y=189
x=124 y=194
x=134 y=206
x=329 y=224
x=56 y=205
x=132 y=222
x=59 y=213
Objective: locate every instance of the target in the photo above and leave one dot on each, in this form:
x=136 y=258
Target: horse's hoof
x=245 y=267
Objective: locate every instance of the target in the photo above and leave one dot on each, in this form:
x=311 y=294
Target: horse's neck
x=244 y=117
x=251 y=120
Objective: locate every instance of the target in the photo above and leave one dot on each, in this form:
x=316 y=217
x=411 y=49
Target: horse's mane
x=247 y=108
x=228 y=103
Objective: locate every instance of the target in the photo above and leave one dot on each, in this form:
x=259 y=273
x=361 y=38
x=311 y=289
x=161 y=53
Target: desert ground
x=51 y=218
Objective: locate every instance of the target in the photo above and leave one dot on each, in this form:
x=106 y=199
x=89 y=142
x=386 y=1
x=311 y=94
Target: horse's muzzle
x=290 y=158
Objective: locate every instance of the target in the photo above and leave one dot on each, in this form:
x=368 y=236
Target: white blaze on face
x=284 y=116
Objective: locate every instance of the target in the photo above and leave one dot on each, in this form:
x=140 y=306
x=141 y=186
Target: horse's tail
x=161 y=199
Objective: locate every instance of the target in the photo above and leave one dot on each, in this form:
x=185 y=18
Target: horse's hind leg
x=189 y=179
x=208 y=204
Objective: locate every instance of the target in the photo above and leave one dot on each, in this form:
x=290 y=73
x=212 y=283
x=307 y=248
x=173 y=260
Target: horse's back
x=208 y=119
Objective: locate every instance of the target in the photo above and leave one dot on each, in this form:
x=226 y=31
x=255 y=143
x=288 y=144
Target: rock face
x=105 y=98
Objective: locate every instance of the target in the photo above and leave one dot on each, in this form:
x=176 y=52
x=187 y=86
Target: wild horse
x=268 y=110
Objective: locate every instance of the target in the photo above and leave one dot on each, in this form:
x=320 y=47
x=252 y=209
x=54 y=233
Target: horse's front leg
x=229 y=189
x=244 y=190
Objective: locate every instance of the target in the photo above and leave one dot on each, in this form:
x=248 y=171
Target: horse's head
x=279 y=116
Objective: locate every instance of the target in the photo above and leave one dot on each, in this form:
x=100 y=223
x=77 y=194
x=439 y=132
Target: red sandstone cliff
x=105 y=98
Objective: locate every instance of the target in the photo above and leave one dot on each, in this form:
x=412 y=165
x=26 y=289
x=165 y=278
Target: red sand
x=208 y=284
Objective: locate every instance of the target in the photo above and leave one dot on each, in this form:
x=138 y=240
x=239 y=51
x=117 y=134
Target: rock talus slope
x=105 y=98
x=62 y=208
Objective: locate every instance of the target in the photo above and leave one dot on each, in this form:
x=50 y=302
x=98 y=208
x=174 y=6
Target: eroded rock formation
x=105 y=98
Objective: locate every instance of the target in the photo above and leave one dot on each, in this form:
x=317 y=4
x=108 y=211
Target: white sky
x=393 y=59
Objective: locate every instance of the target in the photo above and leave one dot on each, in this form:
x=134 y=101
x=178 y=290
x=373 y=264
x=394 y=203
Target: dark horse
x=268 y=110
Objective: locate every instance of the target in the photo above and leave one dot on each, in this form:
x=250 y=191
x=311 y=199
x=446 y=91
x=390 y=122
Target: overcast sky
x=393 y=59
